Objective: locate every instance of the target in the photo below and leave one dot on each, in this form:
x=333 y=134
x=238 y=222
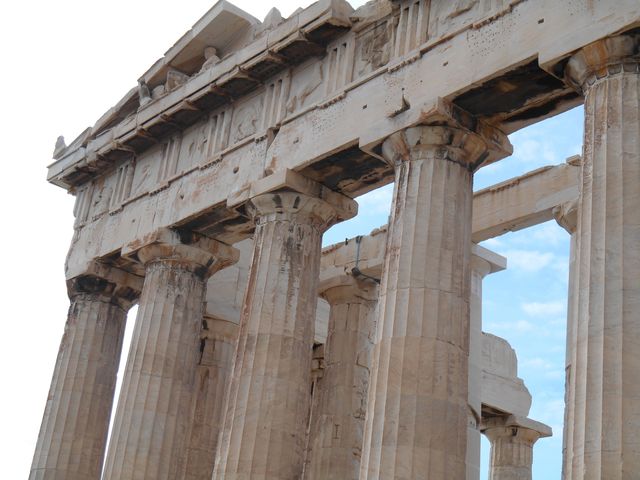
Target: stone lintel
x=494 y=261
x=289 y=180
x=437 y=112
x=190 y=247
x=367 y=254
x=524 y=201
x=601 y=22
x=516 y=421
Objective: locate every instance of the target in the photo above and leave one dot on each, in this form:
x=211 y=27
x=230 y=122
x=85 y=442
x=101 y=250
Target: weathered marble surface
x=512 y=439
x=337 y=421
x=217 y=347
x=605 y=405
x=420 y=364
x=310 y=106
x=150 y=428
x=72 y=440
x=265 y=426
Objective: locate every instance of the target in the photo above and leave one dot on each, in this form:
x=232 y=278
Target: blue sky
x=526 y=303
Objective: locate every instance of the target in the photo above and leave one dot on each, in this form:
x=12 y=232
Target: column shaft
x=149 y=438
x=606 y=408
x=479 y=269
x=511 y=453
x=73 y=435
x=416 y=426
x=566 y=215
x=212 y=377
x=266 y=419
x=338 y=423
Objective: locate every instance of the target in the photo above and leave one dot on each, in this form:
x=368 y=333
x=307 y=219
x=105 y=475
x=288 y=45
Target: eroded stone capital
x=447 y=143
x=601 y=59
x=294 y=207
x=287 y=180
x=566 y=215
x=440 y=142
x=519 y=429
x=445 y=131
x=200 y=255
x=348 y=289
x=107 y=284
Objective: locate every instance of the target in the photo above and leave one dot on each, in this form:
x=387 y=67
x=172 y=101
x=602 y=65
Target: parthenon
x=203 y=195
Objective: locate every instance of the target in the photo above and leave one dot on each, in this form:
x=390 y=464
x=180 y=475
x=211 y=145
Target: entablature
x=315 y=94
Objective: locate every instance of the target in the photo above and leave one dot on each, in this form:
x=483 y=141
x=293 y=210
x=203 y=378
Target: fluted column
x=512 y=441
x=606 y=407
x=149 y=438
x=416 y=424
x=214 y=369
x=73 y=434
x=266 y=419
x=338 y=423
x=567 y=217
x=483 y=262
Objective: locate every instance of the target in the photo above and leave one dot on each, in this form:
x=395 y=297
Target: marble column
x=73 y=435
x=512 y=441
x=217 y=346
x=264 y=432
x=567 y=217
x=149 y=438
x=483 y=263
x=606 y=407
x=338 y=420
x=416 y=425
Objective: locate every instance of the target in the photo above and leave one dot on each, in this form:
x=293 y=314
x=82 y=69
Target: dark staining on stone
x=93 y=285
x=350 y=171
x=202 y=346
x=545 y=109
x=277 y=200
x=510 y=92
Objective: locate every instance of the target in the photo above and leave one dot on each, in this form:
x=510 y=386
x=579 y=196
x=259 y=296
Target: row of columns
x=418 y=404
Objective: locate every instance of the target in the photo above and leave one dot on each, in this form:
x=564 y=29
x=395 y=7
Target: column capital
x=566 y=214
x=107 y=283
x=516 y=428
x=448 y=133
x=600 y=59
x=190 y=251
x=348 y=289
x=289 y=192
x=292 y=206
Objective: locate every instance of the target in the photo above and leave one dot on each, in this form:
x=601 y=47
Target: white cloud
x=549 y=233
x=545 y=309
x=493 y=243
x=529 y=261
x=377 y=201
x=530 y=149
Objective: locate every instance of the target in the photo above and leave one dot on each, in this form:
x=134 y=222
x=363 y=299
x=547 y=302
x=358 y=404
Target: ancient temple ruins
x=203 y=196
